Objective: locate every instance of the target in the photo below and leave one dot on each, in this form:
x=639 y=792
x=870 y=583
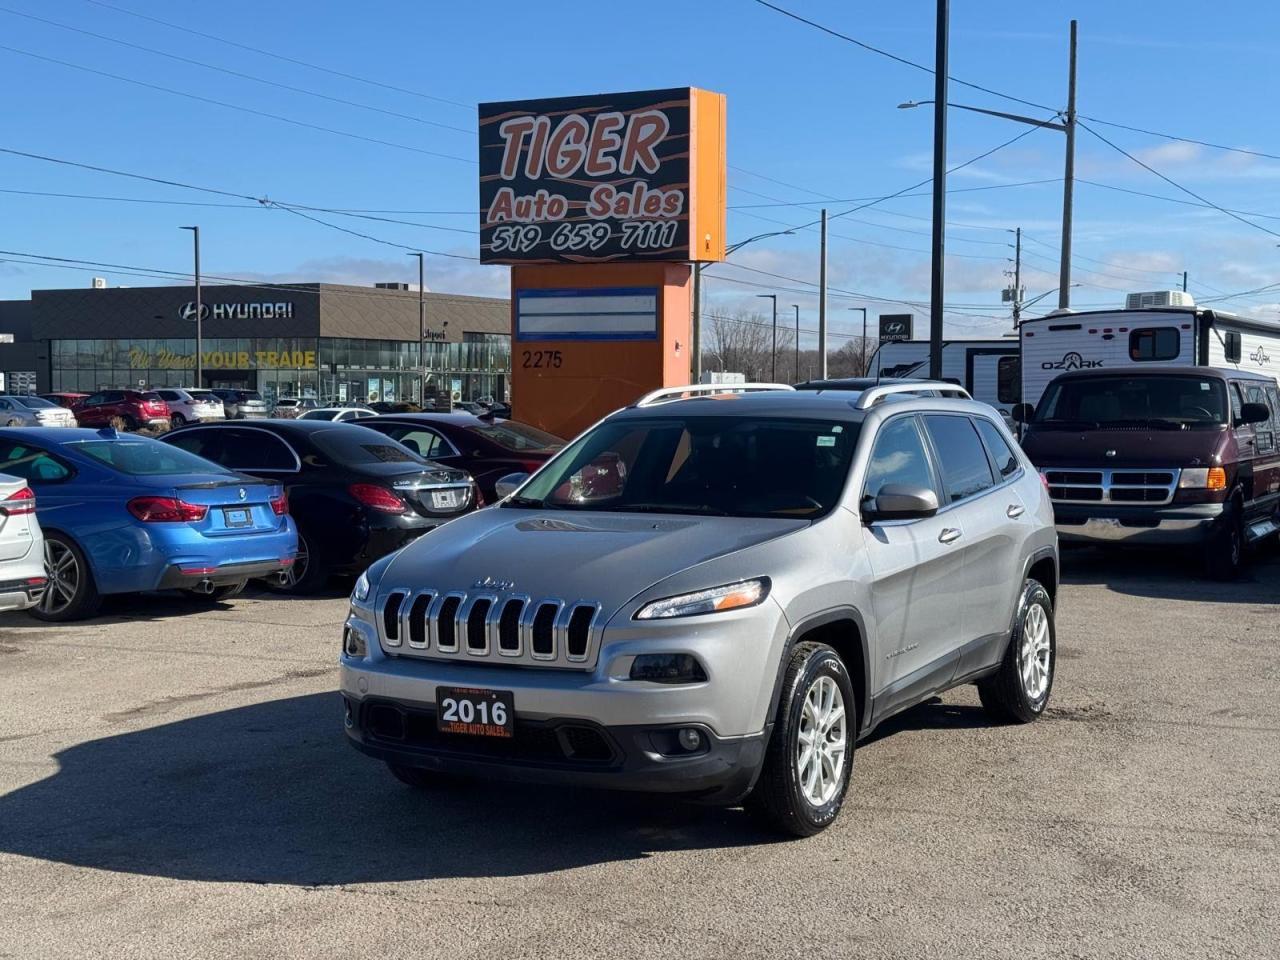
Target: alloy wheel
x=298 y=569
x=822 y=741
x=63 y=577
x=1035 y=654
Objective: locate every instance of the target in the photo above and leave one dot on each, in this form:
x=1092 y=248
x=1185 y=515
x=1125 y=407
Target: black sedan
x=354 y=496
x=485 y=447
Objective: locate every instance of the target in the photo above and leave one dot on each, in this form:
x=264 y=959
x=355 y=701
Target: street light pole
x=774 y=353
x=422 y=330
x=195 y=238
x=797 y=370
x=1068 y=178
x=938 y=278
x=822 y=300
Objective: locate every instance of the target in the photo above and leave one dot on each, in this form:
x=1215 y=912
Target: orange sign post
x=599 y=203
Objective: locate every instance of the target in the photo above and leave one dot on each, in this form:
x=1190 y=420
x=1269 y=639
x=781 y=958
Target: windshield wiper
x=531 y=502
x=704 y=509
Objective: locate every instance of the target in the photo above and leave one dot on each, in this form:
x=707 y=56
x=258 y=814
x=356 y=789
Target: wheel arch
x=844 y=630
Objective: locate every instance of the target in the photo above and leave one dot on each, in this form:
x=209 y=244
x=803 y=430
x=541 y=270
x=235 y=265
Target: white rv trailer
x=1160 y=336
x=988 y=369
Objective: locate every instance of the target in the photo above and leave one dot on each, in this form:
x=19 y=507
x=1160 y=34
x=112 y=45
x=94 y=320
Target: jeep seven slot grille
x=1080 y=485
x=485 y=627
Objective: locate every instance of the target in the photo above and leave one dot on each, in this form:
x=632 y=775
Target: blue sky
x=810 y=117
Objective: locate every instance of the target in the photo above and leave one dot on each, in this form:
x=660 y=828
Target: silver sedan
x=24 y=411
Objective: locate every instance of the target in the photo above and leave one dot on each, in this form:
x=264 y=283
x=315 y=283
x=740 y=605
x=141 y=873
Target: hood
x=604 y=557
x=1133 y=447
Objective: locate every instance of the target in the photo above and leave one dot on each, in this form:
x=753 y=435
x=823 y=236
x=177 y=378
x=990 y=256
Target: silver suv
x=715 y=596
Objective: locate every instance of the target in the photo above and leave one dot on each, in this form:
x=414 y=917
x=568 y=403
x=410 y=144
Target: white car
x=22 y=571
x=24 y=411
x=191 y=406
x=338 y=413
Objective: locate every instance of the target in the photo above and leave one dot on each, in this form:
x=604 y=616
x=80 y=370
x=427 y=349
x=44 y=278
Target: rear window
x=249 y=395
x=516 y=436
x=149 y=395
x=347 y=447
x=35 y=403
x=145 y=458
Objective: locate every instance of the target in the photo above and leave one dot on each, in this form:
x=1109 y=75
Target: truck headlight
x=1203 y=478
x=731 y=596
x=361 y=591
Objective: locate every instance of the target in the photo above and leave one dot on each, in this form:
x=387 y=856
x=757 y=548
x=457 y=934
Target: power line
x=1178 y=200
x=1170 y=136
x=893 y=56
x=366 y=236
x=237 y=73
x=276 y=55
x=237 y=206
x=892 y=213
x=235 y=106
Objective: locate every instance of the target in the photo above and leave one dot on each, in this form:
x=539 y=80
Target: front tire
x=1225 y=557
x=69 y=593
x=1019 y=691
x=810 y=754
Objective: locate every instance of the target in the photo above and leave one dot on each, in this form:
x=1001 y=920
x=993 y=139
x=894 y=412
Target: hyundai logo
x=188 y=311
x=1070 y=361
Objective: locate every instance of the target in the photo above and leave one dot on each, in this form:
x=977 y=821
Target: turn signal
x=1203 y=478
x=1217 y=479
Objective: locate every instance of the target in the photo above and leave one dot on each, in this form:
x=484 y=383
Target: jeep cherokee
x=715 y=596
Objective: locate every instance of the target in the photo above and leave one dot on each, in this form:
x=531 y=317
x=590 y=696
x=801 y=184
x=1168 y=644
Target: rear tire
x=14 y=422
x=70 y=593
x=309 y=572
x=224 y=592
x=809 y=759
x=1019 y=691
x=1225 y=557
x=177 y=420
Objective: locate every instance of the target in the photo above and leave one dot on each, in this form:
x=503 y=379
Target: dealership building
x=329 y=341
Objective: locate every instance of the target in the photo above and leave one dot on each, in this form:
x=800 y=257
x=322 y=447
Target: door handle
x=1015 y=511
x=949 y=535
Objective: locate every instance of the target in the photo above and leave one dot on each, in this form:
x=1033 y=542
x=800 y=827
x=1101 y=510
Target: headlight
x=1203 y=478
x=732 y=596
x=361 y=592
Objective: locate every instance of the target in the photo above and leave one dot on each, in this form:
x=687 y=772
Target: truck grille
x=1080 y=485
x=489 y=628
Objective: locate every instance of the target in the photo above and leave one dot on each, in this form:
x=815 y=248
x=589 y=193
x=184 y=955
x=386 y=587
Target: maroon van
x=1160 y=456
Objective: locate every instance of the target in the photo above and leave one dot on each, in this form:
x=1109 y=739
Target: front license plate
x=444 y=499
x=479 y=713
x=236 y=516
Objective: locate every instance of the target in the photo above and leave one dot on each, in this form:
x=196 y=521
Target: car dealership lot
x=174 y=782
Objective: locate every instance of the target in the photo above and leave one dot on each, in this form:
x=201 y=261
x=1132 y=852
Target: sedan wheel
x=308 y=573
x=69 y=591
x=821 y=742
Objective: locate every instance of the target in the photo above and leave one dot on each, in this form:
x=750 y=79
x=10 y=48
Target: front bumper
x=560 y=750
x=1174 y=524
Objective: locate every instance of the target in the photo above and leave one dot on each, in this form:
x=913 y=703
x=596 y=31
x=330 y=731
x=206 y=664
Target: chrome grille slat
x=1091 y=485
x=568 y=633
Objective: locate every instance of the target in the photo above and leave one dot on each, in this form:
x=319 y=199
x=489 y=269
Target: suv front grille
x=1081 y=485
x=489 y=628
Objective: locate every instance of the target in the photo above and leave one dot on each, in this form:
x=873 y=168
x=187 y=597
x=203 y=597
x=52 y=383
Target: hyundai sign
x=895 y=326
x=237 y=311
x=603 y=178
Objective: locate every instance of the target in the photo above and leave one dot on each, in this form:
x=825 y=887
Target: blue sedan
x=124 y=514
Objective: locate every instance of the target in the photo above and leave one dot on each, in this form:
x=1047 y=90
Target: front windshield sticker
x=826 y=441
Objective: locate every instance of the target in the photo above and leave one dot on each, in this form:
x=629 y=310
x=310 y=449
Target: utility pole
x=695 y=338
x=797 y=370
x=422 y=331
x=1017 y=278
x=1068 y=178
x=195 y=238
x=1184 y=281
x=822 y=301
x=938 y=278
x=774 y=352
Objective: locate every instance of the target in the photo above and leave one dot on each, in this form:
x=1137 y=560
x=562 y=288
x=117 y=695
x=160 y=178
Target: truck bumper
x=1175 y=524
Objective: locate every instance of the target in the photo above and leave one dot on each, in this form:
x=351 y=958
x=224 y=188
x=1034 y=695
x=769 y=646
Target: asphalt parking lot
x=174 y=783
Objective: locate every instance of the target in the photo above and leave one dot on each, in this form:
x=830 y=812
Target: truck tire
x=1225 y=557
x=807 y=764
x=1019 y=690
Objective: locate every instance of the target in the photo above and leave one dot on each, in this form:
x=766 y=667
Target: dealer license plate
x=444 y=499
x=236 y=516
x=476 y=712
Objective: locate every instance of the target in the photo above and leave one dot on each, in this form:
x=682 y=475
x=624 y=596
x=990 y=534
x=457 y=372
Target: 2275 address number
x=541 y=359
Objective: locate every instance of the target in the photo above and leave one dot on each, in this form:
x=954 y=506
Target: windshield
x=516 y=436
x=1175 y=402
x=146 y=458
x=354 y=445
x=35 y=403
x=319 y=415
x=713 y=466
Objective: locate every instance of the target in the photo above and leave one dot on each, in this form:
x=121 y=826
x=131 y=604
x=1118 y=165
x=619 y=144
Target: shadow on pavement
x=933 y=714
x=1173 y=574
x=271 y=793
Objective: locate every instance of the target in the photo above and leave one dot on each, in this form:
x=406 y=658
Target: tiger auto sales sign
x=603 y=178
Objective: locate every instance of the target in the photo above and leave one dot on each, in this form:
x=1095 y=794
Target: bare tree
x=742 y=343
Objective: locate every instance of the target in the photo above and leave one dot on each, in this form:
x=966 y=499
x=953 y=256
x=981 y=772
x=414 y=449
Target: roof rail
x=668 y=394
x=873 y=395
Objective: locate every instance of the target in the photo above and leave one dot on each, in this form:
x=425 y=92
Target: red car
x=68 y=400
x=135 y=408
x=485 y=447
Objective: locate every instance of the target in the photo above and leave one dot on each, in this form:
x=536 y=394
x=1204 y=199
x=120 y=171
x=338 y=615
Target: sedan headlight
x=731 y=596
x=361 y=591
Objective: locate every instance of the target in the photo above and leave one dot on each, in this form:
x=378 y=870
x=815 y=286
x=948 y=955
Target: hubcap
x=298 y=569
x=63 y=577
x=1035 y=654
x=821 y=742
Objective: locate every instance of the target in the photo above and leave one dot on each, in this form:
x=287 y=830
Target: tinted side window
x=1236 y=401
x=31 y=464
x=1264 y=432
x=1009 y=380
x=1006 y=460
x=1154 y=343
x=203 y=443
x=257 y=450
x=898 y=457
x=962 y=460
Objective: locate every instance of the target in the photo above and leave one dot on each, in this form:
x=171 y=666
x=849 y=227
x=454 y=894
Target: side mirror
x=900 y=501
x=509 y=484
x=1253 y=413
x=1022 y=412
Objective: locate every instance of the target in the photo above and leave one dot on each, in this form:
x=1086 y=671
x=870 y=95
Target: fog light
x=353 y=644
x=690 y=739
x=667 y=668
